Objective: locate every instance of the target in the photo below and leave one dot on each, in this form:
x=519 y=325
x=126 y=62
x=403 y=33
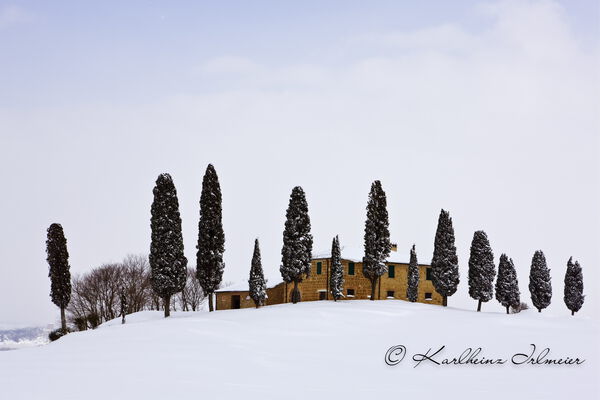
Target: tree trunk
x=167 y=303
x=296 y=297
x=123 y=318
x=63 y=319
x=210 y=302
x=184 y=301
x=539 y=310
x=507 y=307
x=572 y=312
x=479 y=306
x=373 y=285
x=445 y=301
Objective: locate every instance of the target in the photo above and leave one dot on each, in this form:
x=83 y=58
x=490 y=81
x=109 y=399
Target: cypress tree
x=507 y=285
x=444 y=264
x=296 y=252
x=167 y=261
x=574 y=296
x=412 y=291
x=59 y=273
x=540 y=285
x=256 y=283
x=377 y=236
x=211 y=238
x=123 y=300
x=482 y=270
x=336 y=279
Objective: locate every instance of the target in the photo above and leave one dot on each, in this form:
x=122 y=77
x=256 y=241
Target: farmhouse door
x=235 y=301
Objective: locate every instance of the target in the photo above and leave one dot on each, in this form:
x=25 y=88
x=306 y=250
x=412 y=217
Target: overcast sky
x=490 y=110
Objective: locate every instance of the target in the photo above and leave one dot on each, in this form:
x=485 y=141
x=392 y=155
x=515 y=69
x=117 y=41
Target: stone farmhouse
x=391 y=285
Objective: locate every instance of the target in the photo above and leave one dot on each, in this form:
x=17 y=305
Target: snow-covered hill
x=312 y=350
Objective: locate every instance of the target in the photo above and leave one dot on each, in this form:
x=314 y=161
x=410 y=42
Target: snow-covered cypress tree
x=336 y=279
x=412 y=291
x=540 y=285
x=482 y=270
x=59 y=270
x=296 y=252
x=211 y=238
x=377 y=236
x=507 y=285
x=123 y=299
x=167 y=261
x=574 y=296
x=256 y=283
x=444 y=264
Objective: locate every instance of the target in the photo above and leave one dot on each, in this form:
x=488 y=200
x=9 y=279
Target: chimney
x=394 y=246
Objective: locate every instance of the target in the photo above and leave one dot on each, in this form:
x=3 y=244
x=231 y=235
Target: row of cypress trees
x=377 y=244
x=482 y=272
x=444 y=264
x=168 y=263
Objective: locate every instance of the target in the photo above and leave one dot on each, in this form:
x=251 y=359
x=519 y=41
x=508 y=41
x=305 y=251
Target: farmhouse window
x=390 y=293
x=351 y=268
x=391 y=271
x=428 y=274
x=319 y=268
x=350 y=292
x=427 y=296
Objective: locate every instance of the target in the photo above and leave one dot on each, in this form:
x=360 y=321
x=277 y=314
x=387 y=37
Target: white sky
x=491 y=112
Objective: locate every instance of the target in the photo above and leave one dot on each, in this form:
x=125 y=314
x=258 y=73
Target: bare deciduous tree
x=96 y=295
x=192 y=294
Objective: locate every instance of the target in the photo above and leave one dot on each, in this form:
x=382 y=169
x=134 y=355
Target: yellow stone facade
x=392 y=285
x=232 y=299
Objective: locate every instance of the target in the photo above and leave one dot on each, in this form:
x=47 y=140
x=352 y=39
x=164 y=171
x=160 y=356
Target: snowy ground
x=311 y=350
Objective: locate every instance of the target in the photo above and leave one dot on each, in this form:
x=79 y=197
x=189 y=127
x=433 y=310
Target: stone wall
x=316 y=286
